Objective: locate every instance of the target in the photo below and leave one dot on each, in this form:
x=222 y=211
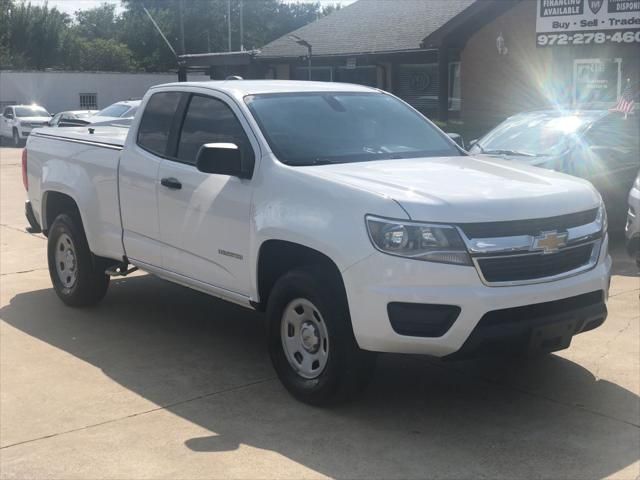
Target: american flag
x=626 y=103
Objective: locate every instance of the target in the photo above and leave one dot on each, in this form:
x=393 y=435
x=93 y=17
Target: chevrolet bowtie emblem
x=549 y=242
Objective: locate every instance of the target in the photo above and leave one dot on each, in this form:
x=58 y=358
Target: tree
x=5 y=7
x=99 y=22
x=101 y=39
x=35 y=34
x=109 y=55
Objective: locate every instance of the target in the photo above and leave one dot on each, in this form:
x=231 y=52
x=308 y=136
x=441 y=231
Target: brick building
x=471 y=61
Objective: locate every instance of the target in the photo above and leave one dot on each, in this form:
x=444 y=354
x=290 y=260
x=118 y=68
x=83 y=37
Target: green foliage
x=102 y=39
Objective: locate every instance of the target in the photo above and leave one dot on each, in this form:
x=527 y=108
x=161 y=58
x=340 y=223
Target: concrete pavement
x=163 y=382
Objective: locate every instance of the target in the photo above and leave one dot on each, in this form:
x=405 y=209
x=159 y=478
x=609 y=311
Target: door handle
x=172 y=183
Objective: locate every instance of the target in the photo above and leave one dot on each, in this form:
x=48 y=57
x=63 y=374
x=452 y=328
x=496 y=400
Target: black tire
x=16 y=138
x=91 y=283
x=348 y=369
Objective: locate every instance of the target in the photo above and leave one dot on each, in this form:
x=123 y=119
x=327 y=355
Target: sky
x=70 y=6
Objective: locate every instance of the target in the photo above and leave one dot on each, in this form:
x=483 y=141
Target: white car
x=17 y=121
x=71 y=118
x=116 y=111
x=632 y=229
x=343 y=213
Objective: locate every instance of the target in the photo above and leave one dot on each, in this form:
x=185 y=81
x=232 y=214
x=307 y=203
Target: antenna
x=160 y=31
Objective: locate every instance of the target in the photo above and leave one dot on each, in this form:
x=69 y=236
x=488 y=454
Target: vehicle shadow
x=420 y=417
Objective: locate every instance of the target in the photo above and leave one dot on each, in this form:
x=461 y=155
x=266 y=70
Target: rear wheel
x=16 y=138
x=311 y=341
x=76 y=278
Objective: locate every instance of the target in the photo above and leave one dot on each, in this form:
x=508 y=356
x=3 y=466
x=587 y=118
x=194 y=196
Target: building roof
x=370 y=26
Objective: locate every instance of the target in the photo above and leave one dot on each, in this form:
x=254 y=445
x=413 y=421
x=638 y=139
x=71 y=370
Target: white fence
x=58 y=91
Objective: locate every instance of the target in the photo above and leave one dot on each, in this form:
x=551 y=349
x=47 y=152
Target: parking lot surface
x=163 y=382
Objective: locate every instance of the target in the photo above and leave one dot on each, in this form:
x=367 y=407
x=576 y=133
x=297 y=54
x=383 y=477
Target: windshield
x=86 y=114
x=538 y=134
x=115 y=110
x=31 y=112
x=317 y=128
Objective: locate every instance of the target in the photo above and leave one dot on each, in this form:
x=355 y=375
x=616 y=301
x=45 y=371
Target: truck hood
x=545 y=161
x=466 y=189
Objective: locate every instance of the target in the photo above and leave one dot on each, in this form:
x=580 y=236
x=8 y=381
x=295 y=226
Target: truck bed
x=108 y=136
x=83 y=166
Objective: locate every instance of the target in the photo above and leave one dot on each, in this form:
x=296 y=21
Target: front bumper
x=375 y=282
x=632 y=229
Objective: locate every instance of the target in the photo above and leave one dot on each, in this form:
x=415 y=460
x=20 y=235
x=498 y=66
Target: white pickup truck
x=353 y=221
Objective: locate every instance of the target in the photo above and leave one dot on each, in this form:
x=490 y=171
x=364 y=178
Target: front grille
x=528 y=227
x=514 y=268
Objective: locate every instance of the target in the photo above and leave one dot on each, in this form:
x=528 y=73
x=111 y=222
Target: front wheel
x=76 y=277
x=311 y=342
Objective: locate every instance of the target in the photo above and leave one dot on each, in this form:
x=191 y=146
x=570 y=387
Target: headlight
x=420 y=241
x=636 y=184
x=24 y=124
x=601 y=218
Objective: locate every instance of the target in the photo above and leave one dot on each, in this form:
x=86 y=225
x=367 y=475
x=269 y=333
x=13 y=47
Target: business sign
x=596 y=81
x=586 y=22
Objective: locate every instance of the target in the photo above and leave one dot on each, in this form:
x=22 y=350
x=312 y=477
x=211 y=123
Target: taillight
x=25 y=178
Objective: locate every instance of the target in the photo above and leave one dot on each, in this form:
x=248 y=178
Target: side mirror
x=473 y=142
x=221 y=159
x=456 y=137
x=9 y=115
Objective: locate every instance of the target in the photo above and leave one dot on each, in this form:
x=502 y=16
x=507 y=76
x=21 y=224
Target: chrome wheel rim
x=66 y=262
x=305 y=339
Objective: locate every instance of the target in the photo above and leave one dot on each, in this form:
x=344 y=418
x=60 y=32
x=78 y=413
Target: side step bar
x=120 y=270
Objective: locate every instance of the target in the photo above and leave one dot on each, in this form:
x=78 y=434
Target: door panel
x=139 y=181
x=205 y=225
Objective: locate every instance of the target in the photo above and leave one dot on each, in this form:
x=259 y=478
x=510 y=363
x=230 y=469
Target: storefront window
x=365 y=75
x=596 y=82
x=455 y=97
x=417 y=84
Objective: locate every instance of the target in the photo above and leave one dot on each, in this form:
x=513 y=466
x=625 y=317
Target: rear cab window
x=157 y=119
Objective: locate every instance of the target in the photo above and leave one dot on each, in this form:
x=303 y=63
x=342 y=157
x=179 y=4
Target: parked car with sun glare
x=116 y=111
x=72 y=118
x=17 y=121
x=597 y=145
x=632 y=229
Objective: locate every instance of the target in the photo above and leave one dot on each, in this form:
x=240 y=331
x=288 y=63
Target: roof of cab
x=241 y=88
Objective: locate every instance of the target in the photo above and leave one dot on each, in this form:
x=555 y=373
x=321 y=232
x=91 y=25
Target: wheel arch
x=276 y=257
x=53 y=204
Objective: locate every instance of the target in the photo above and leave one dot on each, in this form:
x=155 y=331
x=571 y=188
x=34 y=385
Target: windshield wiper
x=315 y=161
x=509 y=152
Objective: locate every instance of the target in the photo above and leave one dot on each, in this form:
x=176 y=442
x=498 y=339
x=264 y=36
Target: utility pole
x=229 y=23
x=304 y=43
x=181 y=9
x=241 y=28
